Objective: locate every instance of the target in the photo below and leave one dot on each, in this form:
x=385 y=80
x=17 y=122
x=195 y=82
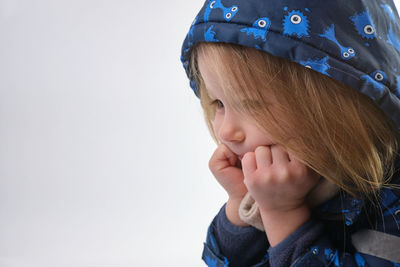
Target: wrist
x=232 y=212
x=279 y=225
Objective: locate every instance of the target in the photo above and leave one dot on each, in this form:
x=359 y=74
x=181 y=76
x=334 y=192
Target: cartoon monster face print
x=376 y=79
x=319 y=65
x=190 y=33
x=332 y=257
x=260 y=28
x=364 y=25
x=209 y=35
x=345 y=52
x=295 y=23
x=379 y=76
x=228 y=12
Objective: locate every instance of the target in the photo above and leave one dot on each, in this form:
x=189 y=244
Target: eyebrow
x=208 y=92
x=248 y=102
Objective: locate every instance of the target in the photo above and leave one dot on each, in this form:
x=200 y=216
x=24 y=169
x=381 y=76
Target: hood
x=354 y=41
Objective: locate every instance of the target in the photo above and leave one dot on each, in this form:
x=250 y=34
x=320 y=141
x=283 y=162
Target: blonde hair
x=330 y=127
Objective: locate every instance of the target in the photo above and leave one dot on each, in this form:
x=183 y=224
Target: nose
x=231 y=129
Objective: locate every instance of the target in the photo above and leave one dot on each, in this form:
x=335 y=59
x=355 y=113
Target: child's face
x=236 y=132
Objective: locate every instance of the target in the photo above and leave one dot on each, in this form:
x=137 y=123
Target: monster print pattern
x=295 y=23
x=392 y=39
x=379 y=76
x=364 y=25
x=260 y=28
x=229 y=12
x=318 y=65
x=209 y=35
x=356 y=42
x=345 y=52
x=389 y=11
x=333 y=258
x=376 y=82
x=359 y=260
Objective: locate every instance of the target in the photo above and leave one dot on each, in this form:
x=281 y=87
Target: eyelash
x=216 y=102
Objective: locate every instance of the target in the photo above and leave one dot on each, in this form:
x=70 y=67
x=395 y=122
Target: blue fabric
x=324 y=240
x=241 y=245
x=354 y=41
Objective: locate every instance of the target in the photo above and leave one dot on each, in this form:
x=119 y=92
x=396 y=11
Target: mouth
x=239 y=163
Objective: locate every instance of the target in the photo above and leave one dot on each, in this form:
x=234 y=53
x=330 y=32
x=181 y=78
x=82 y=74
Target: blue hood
x=354 y=41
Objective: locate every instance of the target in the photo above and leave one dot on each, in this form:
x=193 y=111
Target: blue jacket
x=354 y=41
x=335 y=236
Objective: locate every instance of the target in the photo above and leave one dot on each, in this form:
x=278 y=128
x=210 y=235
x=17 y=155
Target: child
x=302 y=99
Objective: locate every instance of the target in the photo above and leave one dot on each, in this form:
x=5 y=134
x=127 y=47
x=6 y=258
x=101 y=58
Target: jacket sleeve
x=231 y=245
x=311 y=245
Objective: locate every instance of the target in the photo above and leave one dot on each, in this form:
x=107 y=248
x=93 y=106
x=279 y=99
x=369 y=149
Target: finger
x=279 y=154
x=223 y=155
x=228 y=154
x=249 y=164
x=263 y=156
x=291 y=157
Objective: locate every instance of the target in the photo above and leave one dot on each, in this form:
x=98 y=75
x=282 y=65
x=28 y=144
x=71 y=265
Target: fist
x=277 y=181
x=226 y=167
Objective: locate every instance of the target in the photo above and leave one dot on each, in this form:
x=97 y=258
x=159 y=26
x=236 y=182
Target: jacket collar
x=344 y=206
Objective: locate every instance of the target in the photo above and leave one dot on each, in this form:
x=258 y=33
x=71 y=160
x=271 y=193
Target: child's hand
x=276 y=180
x=225 y=166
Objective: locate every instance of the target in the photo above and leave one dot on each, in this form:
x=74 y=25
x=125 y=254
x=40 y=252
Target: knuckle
x=259 y=149
x=252 y=179
x=210 y=163
x=247 y=157
x=283 y=173
x=299 y=171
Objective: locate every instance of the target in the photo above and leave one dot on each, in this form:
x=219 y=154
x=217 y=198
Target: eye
x=368 y=29
x=262 y=23
x=212 y=4
x=346 y=55
x=218 y=103
x=379 y=76
x=295 y=19
x=233 y=9
x=228 y=15
x=351 y=50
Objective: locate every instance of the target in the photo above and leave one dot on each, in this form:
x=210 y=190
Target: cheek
x=216 y=125
x=264 y=138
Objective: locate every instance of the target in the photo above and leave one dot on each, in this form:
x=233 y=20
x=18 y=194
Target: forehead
x=212 y=83
x=214 y=89
x=208 y=74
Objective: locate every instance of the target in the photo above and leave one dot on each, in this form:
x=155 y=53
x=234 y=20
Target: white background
x=103 y=147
